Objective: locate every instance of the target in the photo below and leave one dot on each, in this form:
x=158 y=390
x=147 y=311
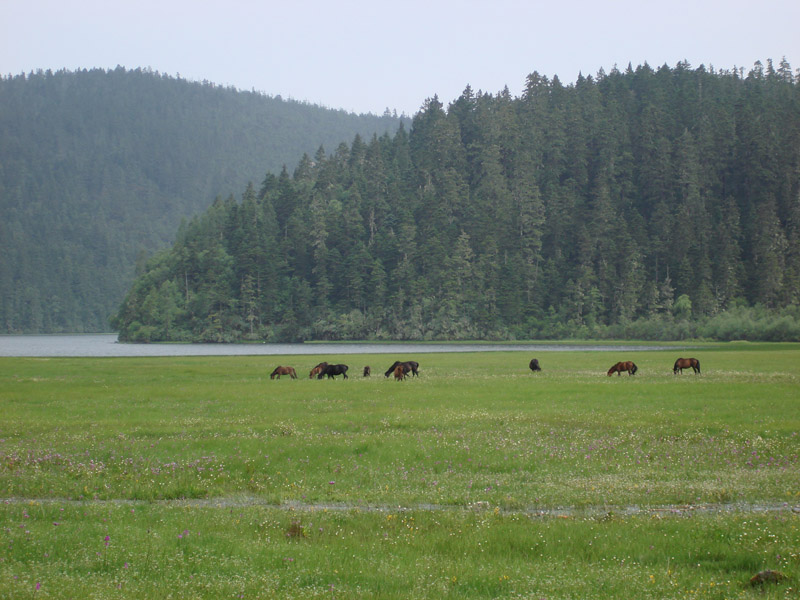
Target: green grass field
x=202 y=478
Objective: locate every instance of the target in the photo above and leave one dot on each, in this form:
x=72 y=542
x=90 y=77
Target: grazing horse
x=283 y=371
x=534 y=366
x=618 y=368
x=685 y=363
x=399 y=373
x=367 y=371
x=315 y=371
x=332 y=371
x=409 y=365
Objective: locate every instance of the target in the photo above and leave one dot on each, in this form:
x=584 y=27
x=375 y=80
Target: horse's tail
x=697 y=364
x=634 y=368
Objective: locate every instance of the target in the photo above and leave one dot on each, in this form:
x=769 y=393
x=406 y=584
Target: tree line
x=98 y=167
x=652 y=203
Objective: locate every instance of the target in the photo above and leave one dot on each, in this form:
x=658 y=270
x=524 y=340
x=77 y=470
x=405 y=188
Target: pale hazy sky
x=366 y=56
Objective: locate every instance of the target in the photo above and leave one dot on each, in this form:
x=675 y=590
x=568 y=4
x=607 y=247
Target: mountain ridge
x=99 y=167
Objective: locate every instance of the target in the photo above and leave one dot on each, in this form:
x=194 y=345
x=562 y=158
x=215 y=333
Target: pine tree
x=629 y=195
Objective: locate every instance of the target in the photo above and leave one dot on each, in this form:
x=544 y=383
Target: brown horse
x=367 y=371
x=316 y=370
x=685 y=363
x=283 y=371
x=618 y=368
x=399 y=373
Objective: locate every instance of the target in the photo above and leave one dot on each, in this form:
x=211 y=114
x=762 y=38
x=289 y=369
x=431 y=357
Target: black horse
x=534 y=366
x=408 y=366
x=332 y=371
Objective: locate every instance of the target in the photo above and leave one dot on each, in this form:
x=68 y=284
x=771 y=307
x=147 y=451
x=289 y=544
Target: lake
x=101 y=345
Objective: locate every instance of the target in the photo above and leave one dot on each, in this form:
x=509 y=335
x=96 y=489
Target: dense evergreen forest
x=99 y=167
x=648 y=203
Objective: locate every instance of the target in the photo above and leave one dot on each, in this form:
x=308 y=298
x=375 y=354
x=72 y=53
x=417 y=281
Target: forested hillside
x=632 y=202
x=99 y=167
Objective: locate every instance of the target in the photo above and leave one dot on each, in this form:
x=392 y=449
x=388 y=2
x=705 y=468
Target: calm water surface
x=107 y=345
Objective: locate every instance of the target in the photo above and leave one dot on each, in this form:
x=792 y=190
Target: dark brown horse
x=399 y=373
x=315 y=371
x=409 y=365
x=283 y=371
x=367 y=371
x=534 y=366
x=685 y=363
x=618 y=368
x=331 y=371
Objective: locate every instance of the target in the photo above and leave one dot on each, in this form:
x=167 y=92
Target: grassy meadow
x=199 y=477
